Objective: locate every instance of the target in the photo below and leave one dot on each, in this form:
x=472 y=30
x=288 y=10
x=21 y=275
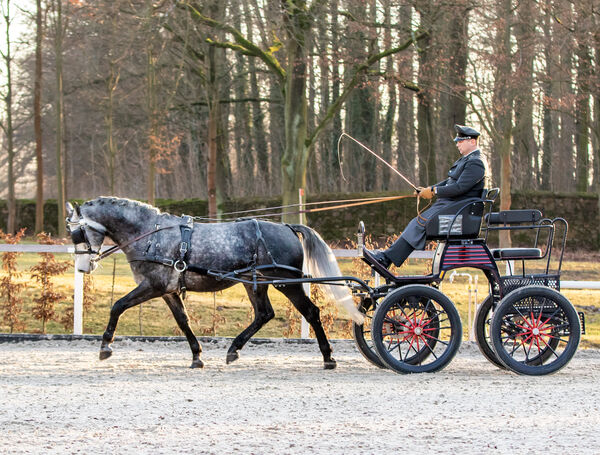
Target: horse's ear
x=69 y=208
x=77 y=209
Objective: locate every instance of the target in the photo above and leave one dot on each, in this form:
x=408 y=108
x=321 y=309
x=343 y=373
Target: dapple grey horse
x=152 y=242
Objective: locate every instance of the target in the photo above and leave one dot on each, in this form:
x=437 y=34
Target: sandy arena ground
x=57 y=397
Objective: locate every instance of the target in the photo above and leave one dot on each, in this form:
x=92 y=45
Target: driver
x=465 y=180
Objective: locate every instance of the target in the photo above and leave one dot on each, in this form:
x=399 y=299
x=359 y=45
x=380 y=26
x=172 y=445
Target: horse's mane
x=129 y=203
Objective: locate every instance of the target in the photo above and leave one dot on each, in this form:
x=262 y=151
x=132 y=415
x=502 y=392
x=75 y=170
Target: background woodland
x=222 y=99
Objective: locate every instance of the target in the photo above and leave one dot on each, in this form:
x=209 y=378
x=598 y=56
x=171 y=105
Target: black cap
x=465 y=132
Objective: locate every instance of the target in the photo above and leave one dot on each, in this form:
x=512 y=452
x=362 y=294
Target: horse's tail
x=321 y=262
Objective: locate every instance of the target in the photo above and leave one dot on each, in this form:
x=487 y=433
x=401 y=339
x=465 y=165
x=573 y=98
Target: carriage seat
x=515 y=217
x=509 y=254
x=465 y=217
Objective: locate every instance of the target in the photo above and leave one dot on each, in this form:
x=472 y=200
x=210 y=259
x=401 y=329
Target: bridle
x=78 y=232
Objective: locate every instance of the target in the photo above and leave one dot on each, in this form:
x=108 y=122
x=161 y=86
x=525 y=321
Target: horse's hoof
x=232 y=357
x=105 y=353
x=197 y=364
x=330 y=365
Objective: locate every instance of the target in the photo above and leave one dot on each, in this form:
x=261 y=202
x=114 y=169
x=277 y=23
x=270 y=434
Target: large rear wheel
x=416 y=329
x=483 y=318
x=535 y=330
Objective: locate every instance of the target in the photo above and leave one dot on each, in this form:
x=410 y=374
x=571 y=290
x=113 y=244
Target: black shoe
x=381 y=258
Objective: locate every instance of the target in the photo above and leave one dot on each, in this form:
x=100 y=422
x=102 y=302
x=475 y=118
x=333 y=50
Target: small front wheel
x=535 y=330
x=416 y=329
x=362 y=334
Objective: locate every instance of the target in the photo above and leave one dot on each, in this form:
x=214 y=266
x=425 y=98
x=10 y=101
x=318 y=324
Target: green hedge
x=382 y=220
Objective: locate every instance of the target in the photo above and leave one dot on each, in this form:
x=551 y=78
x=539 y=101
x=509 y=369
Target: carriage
x=407 y=324
x=525 y=324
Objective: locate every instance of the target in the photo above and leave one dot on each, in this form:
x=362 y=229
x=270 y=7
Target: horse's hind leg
x=311 y=313
x=183 y=321
x=143 y=292
x=263 y=313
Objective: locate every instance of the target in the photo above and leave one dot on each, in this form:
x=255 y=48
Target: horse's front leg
x=143 y=292
x=183 y=321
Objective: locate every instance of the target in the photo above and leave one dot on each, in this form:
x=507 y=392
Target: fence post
x=304 y=328
x=78 y=304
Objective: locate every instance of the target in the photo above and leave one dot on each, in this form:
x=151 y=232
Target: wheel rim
x=535 y=331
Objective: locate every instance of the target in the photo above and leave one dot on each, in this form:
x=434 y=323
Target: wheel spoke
x=551 y=349
x=437 y=340
x=409 y=348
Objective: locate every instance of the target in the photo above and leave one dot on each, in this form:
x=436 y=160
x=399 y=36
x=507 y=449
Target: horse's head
x=87 y=236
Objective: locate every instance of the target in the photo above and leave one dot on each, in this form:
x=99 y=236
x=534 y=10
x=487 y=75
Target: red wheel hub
x=413 y=329
x=535 y=331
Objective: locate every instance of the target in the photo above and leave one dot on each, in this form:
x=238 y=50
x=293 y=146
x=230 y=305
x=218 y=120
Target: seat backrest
x=467 y=216
x=506 y=217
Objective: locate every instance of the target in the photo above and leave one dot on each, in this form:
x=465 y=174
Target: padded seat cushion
x=517 y=253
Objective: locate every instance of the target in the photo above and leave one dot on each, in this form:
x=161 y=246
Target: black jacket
x=466 y=178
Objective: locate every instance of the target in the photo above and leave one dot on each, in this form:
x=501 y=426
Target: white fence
x=78 y=277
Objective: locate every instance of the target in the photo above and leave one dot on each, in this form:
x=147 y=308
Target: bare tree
x=298 y=20
x=59 y=32
x=37 y=119
x=7 y=123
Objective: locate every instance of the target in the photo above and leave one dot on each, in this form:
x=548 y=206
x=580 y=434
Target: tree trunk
x=295 y=157
x=111 y=84
x=425 y=117
x=11 y=224
x=153 y=133
x=276 y=136
x=336 y=128
x=405 y=126
x=58 y=50
x=37 y=122
x=211 y=172
x=388 y=125
x=549 y=116
x=453 y=42
x=361 y=112
x=503 y=106
x=582 y=111
x=566 y=132
x=525 y=147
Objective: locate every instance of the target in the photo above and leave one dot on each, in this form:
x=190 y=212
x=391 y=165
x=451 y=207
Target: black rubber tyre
x=362 y=334
x=483 y=319
x=535 y=330
x=416 y=329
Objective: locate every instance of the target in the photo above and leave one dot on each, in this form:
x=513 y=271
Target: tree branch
x=232 y=46
x=357 y=73
x=251 y=48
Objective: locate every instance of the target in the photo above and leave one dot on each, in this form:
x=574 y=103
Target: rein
x=344 y=203
x=115 y=248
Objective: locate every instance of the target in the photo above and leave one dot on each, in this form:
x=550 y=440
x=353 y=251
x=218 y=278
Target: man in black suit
x=465 y=181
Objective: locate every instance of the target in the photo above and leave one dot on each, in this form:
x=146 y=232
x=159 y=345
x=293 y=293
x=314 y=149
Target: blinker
x=78 y=236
